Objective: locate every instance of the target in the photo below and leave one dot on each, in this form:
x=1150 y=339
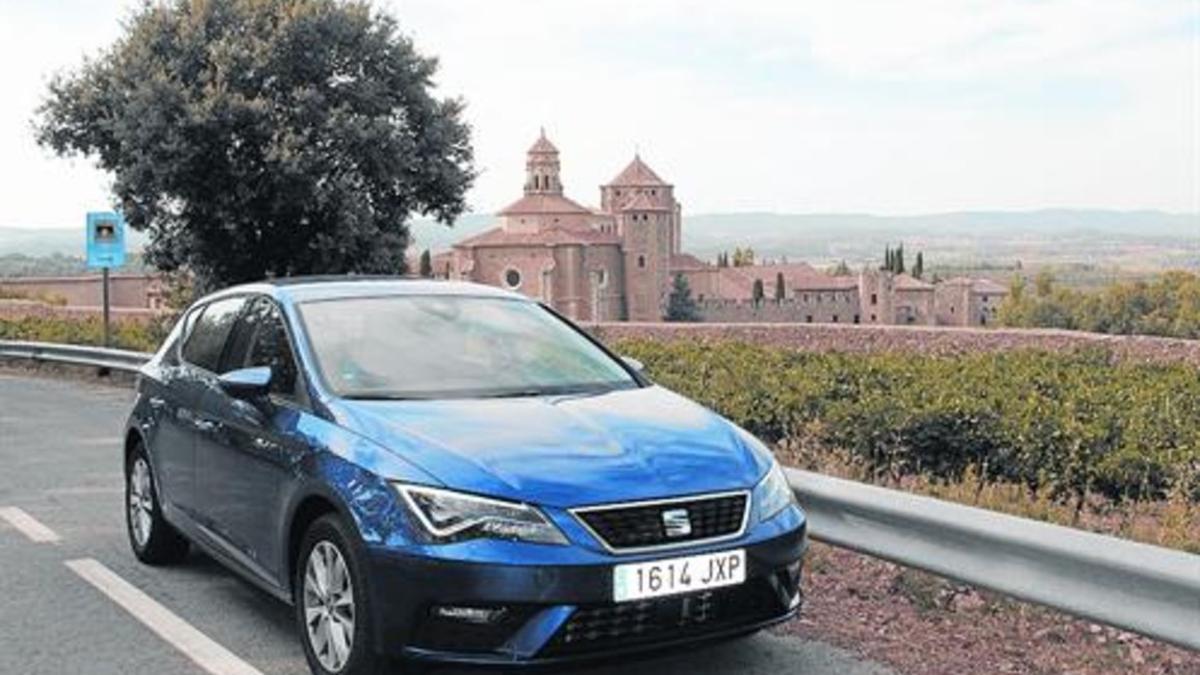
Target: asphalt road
x=59 y=464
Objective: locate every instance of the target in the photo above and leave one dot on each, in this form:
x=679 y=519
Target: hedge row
x=134 y=335
x=1076 y=423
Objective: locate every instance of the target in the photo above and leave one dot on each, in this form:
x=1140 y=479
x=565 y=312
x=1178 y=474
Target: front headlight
x=773 y=494
x=453 y=516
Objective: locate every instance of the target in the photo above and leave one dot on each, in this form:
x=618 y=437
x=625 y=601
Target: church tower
x=646 y=215
x=542 y=168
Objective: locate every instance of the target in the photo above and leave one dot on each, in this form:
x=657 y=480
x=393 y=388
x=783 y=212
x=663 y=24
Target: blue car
x=442 y=472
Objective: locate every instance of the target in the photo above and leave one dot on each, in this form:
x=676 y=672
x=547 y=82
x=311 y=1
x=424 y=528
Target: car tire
x=331 y=602
x=153 y=540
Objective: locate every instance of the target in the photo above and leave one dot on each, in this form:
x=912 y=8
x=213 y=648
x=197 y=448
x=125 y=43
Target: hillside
x=1130 y=239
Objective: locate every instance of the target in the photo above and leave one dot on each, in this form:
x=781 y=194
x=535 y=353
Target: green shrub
x=1075 y=423
x=134 y=335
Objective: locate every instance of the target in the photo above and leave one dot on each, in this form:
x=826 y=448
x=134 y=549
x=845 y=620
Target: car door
x=245 y=461
x=179 y=400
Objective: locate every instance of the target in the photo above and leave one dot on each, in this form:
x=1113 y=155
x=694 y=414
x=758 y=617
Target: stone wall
x=125 y=290
x=840 y=306
x=917 y=339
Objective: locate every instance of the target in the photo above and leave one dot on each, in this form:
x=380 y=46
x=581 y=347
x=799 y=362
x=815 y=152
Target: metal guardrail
x=78 y=355
x=1144 y=589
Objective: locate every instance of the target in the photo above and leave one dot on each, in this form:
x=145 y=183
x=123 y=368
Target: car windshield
x=438 y=346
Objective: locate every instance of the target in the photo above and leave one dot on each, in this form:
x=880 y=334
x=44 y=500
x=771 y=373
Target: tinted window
x=262 y=340
x=207 y=339
x=443 y=346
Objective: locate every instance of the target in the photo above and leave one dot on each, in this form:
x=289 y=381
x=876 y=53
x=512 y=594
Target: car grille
x=641 y=526
x=662 y=620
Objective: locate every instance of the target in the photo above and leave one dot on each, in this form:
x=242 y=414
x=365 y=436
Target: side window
x=262 y=340
x=206 y=340
x=271 y=347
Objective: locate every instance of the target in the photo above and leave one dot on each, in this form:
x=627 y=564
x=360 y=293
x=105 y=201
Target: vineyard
x=1070 y=424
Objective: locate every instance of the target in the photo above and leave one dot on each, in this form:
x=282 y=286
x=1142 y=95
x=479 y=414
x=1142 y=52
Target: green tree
x=842 y=270
x=743 y=257
x=898 y=260
x=680 y=304
x=258 y=138
x=426 y=264
x=757 y=293
x=918 y=269
x=780 y=290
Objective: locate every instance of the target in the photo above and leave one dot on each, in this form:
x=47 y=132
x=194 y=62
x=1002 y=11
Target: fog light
x=474 y=615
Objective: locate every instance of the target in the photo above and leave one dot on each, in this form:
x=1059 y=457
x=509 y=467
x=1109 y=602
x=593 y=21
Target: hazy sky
x=885 y=107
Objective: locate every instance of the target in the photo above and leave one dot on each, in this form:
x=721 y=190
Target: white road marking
x=28 y=526
x=195 y=645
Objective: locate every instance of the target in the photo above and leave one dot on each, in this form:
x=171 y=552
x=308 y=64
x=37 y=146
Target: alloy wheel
x=329 y=606
x=141 y=502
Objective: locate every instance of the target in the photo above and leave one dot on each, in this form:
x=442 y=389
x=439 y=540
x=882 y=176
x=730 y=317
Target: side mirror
x=637 y=366
x=247 y=383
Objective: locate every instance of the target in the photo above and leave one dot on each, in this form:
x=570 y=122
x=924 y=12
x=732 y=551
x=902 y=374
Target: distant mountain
x=1134 y=239
x=1139 y=238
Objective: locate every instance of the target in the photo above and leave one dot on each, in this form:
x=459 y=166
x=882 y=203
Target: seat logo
x=677 y=523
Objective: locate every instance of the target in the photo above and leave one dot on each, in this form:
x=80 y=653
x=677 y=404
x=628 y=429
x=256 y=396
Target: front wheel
x=331 y=603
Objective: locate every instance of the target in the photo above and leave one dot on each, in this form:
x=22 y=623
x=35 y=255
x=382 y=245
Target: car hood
x=634 y=444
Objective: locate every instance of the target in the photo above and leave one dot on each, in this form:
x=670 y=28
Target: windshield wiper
x=383 y=397
x=520 y=393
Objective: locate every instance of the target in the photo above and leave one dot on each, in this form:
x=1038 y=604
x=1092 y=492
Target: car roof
x=310 y=288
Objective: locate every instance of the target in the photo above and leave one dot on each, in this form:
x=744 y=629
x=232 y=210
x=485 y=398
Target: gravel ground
x=924 y=625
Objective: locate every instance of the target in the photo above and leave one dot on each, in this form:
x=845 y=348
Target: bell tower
x=542 y=168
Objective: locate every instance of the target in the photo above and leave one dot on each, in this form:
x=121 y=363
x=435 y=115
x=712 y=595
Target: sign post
x=105 y=250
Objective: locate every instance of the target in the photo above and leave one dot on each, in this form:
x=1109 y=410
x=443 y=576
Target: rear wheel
x=331 y=603
x=152 y=538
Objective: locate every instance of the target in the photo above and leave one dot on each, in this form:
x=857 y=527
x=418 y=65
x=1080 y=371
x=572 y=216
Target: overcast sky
x=883 y=107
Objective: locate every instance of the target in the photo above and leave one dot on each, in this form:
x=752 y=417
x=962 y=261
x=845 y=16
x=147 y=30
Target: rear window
x=206 y=340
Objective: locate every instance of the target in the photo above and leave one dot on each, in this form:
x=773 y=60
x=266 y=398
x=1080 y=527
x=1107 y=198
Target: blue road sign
x=105 y=239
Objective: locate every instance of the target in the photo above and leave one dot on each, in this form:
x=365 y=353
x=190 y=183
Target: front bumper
x=552 y=614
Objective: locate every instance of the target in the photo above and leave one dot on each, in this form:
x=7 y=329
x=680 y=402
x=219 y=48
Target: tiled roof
x=907 y=282
x=637 y=174
x=538 y=204
x=641 y=201
x=687 y=261
x=554 y=236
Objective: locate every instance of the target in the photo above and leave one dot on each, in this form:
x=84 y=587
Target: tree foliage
x=425 y=266
x=1168 y=306
x=256 y=138
x=680 y=304
x=743 y=257
x=780 y=288
x=757 y=293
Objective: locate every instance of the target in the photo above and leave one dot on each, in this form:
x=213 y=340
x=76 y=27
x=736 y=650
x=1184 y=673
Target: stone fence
x=917 y=339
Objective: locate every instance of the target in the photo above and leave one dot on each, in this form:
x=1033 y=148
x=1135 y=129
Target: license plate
x=638 y=581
